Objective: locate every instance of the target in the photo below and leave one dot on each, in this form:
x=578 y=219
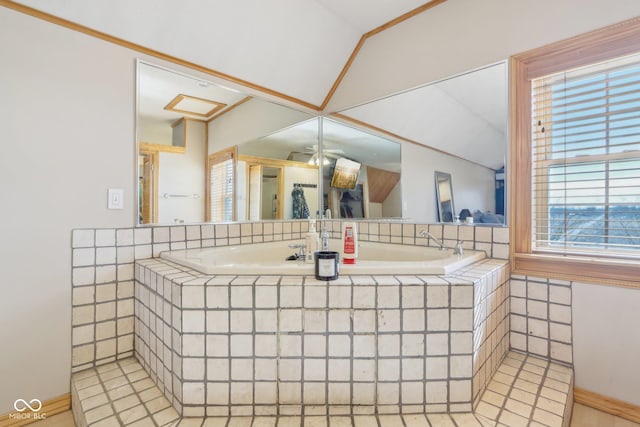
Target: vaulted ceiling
x=332 y=55
x=267 y=43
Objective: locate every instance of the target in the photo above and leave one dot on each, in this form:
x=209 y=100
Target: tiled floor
x=582 y=417
x=524 y=388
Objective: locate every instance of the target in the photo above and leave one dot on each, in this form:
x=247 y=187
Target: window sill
x=614 y=272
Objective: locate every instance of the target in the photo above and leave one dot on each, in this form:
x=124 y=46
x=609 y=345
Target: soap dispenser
x=312 y=241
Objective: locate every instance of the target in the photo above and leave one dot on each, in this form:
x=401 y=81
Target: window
x=575 y=158
x=221 y=183
x=586 y=160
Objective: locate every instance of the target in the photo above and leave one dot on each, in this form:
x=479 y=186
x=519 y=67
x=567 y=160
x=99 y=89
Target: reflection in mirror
x=191 y=135
x=361 y=173
x=457 y=124
x=444 y=197
x=171 y=127
x=277 y=174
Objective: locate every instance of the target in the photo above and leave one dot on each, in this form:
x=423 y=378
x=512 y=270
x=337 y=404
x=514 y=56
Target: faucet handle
x=458 y=250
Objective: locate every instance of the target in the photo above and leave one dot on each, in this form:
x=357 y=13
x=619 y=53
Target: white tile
x=537 y=309
x=560 y=313
x=462 y=296
x=314 y=370
x=218 y=296
x=560 y=294
x=436 y=391
x=315 y=321
x=388 y=297
x=241 y=369
x=290 y=345
x=437 y=296
x=340 y=345
x=388 y=320
x=437 y=320
x=560 y=332
x=412 y=369
x=193 y=369
x=193 y=321
x=388 y=370
x=413 y=297
x=217 y=369
x=266 y=320
x=241 y=345
x=241 y=321
x=315 y=345
x=437 y=344
x=217 y=321
x=241 y=296
x=364 y=370
x=461 y=319
x=460 y=391
x=537 y=291
x=388 y=345
x=124 y=237
x=413 y=320
x=339 y=321
x=413 y=344
x=364 y=321
x=83 y=238
x=461 y=366
x=266 y=345
x=364 y=297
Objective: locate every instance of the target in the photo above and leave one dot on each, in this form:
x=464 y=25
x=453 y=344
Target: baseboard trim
x=49 y=408
x=607 y=404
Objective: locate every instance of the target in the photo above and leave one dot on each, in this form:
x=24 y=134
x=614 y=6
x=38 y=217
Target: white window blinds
x=221 y=170
x=586 y=160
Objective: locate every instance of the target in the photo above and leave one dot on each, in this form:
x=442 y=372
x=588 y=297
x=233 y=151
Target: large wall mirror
x=457 y=126
x=207 y=153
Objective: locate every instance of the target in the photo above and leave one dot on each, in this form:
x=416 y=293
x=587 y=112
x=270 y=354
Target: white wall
x=154 y=132
x=460 y=35
x=606 y=340
x=473 y=185
x=300 y=175
x=184 y=174
x=249 y=121
x=392 y=205
x=67 y=119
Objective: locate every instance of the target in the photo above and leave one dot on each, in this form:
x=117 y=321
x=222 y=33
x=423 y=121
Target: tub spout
x=425 y=233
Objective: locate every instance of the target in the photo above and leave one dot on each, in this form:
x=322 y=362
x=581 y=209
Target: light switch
x=116 y=198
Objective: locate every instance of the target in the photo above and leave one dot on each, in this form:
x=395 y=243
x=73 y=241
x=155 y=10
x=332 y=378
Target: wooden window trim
x=600 y=45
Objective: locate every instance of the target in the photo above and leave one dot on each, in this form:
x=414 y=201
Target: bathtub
x=270 y=258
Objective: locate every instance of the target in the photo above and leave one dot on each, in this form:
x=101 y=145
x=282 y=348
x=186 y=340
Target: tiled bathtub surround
x=525 y=391
x=102 y=267
x=541 y=317
x=285 y=345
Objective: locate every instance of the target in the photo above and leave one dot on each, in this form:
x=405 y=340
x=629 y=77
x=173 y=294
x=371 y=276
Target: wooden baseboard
x=49 y=408
x=606 y=404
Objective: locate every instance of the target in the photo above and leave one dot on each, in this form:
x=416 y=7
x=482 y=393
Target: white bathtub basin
x=373 y=258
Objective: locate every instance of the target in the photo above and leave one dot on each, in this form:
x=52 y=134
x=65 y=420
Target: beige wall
x=460 y=35
x=67 y=119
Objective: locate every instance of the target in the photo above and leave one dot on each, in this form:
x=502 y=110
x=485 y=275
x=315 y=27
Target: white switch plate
x=116 y=198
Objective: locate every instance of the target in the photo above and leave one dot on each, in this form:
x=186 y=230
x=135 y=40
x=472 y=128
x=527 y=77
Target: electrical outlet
x=115 y=198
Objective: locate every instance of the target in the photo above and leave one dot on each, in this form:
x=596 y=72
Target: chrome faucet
x=425 y=233
x=324 y=237
x=301 y=255
x=458 y=250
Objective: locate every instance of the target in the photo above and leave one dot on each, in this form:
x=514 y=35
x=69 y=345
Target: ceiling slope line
x=9 y=4
x=372 y=33
x=387 y=133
